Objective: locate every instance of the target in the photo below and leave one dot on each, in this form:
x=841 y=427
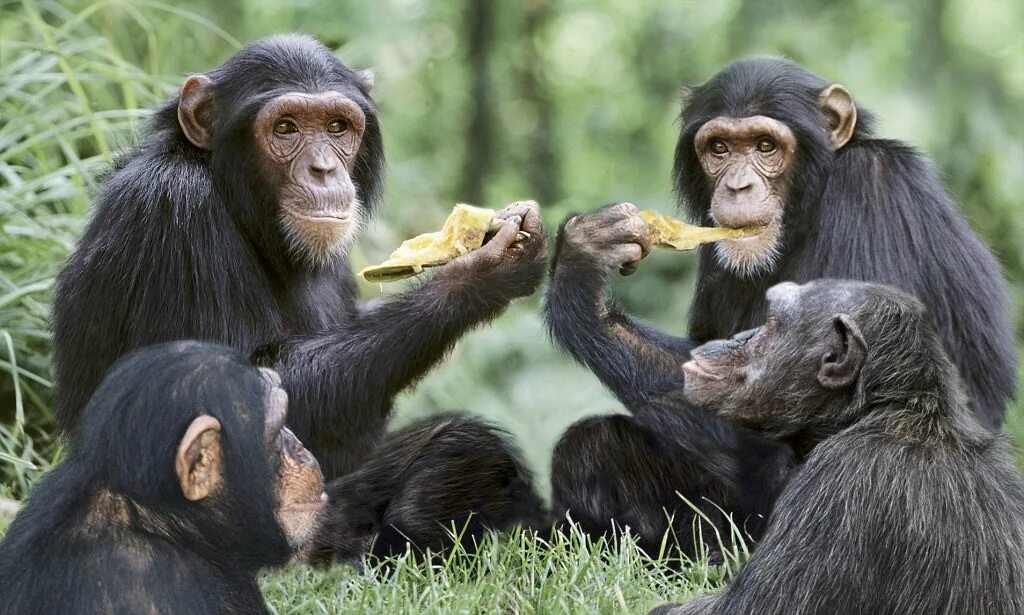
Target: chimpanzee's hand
x=512 y=259
x=611 y=238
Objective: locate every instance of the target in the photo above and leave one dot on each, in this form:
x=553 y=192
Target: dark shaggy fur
x=873 y=210
x=184 y=243
x=907 y=506
x=109 y=531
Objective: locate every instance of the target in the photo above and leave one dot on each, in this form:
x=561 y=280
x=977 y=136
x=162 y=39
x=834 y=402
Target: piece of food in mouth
x=464 y=231
x=666 y=231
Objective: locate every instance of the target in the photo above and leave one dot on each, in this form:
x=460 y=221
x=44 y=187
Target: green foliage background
x=574 y=103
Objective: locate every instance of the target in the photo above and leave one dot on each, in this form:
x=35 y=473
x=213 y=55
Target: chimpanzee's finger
x=504 y=237
x=629 y=256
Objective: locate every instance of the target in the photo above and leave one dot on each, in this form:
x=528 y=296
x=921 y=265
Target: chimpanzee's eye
x=766 y=145
x=718 y=147
x=285 y=127
x=337 y=126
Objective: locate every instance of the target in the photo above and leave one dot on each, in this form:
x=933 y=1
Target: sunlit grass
x=515 y=574
x=68 y=99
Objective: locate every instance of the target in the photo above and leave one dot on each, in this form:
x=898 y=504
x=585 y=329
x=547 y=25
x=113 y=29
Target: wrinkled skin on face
x=789 y=374
x=308 y=145
x=300 y=484
x=747 y=160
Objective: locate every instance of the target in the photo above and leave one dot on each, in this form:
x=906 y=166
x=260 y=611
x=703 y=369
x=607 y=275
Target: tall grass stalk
x=69 y=100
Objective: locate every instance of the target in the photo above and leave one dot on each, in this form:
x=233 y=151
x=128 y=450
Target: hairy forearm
x=379 y=352
x=636 y=362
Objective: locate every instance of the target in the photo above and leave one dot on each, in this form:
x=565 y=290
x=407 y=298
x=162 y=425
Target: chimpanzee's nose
x=322 y=166
x=739 y=182
x=323 y=162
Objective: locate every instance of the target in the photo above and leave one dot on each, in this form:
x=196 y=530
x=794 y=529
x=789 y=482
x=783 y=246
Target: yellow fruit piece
x=666 y=231
x=463 y=232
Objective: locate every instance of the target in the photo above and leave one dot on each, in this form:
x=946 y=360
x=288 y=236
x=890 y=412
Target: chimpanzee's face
x=308 y=145
x=748 y=162
x=775 y=377
x=300 y=484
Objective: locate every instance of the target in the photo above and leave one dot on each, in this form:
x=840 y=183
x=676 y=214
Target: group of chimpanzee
x=846 y=426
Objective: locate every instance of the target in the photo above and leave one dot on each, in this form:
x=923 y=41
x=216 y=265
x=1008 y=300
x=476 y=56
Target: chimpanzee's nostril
x=739 y=186
x=322 y=167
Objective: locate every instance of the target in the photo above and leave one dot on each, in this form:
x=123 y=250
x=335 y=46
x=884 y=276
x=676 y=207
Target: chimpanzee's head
x=829 y=351
x=295 y=145
x=756 y=143
x=193 y=437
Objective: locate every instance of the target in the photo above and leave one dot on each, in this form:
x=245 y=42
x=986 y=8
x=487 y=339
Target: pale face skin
x=308 y=145
x=747 y=160
x=749 y=163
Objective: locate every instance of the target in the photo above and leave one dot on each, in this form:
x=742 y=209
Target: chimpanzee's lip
x=328 y=216
x=764 y=225
x=322 y=215
x=318 y=503
x=695 y=367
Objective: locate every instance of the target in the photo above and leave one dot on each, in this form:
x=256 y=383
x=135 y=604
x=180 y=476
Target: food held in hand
x=666 y=231
x=463 y=232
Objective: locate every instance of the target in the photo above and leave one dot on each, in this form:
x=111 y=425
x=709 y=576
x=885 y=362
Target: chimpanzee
x=180 y=483
x=764 y=142
x=905 y=503
x=231 y=221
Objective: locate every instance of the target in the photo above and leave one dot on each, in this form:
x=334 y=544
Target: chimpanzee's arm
x=343 y=383
x=635 y=361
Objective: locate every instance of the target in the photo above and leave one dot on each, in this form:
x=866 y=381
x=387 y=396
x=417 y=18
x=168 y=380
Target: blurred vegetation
x=573 y=103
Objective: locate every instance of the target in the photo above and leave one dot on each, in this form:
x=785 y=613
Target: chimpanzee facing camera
x=180 y=484
x=232 y=220
x=905 y=502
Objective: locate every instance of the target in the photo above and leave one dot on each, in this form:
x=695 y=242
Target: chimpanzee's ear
x=685 y=96
x=198 y=462
x=840 y=112
x=842 y=363
x=365 y=79
x=195 y=110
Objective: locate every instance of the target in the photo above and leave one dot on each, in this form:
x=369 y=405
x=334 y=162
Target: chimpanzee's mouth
x=328 y=216
x=314 y=505
x=754 y=231
x=695 y=367
x=319 y=215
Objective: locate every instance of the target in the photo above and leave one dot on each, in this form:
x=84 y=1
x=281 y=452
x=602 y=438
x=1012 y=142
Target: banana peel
x=463 y=232
x=666 y=231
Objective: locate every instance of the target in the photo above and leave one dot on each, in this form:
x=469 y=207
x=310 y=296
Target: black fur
x=908 y=505
x=184 y=243
x=873 y=210
x=407 y=486
x=109 y=531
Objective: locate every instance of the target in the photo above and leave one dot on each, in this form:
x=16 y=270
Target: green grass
x=513 y=574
